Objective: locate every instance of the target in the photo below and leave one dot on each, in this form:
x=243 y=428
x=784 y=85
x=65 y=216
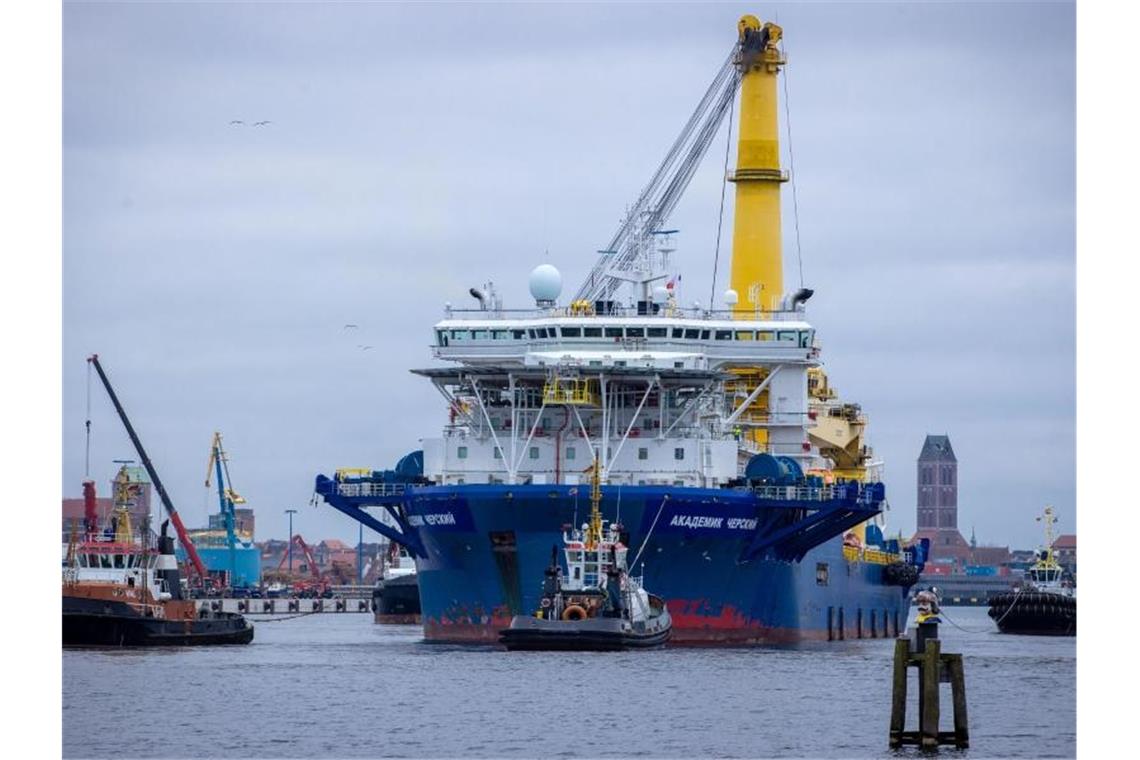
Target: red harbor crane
x=319 y=582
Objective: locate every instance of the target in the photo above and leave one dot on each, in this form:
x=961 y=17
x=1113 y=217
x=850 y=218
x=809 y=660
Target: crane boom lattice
x=633 y=240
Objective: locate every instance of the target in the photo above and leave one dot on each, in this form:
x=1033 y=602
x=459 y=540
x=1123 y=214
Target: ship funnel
x=90 y=515
x=479 y=296
x=801 y=296
x=167 y=563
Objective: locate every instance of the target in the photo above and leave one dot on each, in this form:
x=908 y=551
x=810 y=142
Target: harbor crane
x=319 y=582
x=227 y=497
x=167 y=504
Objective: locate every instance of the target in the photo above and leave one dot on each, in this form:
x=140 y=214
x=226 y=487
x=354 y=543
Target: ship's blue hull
x=487 y=546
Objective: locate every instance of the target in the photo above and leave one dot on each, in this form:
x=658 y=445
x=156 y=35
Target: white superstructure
x=661 y=394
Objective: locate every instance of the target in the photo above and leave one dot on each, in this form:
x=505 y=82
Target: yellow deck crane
x=756 y=272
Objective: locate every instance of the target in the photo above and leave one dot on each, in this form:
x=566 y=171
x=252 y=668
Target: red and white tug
x=120 y=591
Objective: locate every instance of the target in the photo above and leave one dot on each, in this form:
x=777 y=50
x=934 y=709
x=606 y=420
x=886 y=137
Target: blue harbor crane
x=227 y=498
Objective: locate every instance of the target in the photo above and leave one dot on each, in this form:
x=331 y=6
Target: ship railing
x=617 y=310
x=869 y=555
x=370 y=489
x=813 y=493
x=105 y=536
x=352 y=591
x=795 y=493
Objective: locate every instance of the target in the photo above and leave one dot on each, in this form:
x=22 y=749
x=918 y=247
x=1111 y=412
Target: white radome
x=545 y=283
x=660 y=294
x=731 y=297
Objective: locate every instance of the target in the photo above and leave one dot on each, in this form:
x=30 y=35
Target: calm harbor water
x=340 y=686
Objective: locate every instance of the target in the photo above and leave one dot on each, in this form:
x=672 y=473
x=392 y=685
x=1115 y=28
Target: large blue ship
x=744 y=491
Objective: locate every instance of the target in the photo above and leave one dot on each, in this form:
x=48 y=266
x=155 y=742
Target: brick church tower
x=937 y=510
x=937 y=485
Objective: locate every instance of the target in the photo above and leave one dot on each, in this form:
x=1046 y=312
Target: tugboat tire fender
x=574 y=612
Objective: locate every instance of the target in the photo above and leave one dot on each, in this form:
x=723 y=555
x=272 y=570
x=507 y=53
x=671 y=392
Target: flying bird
x=236 y=121
x=261 y=123
x=365 y=348
x=350 y=327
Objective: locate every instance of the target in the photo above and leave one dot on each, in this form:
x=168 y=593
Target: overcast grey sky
x=416 y=150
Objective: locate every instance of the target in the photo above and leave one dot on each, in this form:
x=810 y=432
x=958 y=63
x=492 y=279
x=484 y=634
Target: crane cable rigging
x=656 y=202
x=87 y=450
x=720 y=216
x=659 y=197
x=792 y=166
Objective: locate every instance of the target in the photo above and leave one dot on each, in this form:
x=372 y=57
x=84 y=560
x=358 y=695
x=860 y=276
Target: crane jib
x=191 y=552
x=660 y=197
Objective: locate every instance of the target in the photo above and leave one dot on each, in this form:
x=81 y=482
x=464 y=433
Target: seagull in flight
x=261 y=123
x=350 y=327
x=236 y=121
x=365 y=348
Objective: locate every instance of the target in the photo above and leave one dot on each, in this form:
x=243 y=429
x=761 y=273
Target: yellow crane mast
x=757 y=270
x=757 y=273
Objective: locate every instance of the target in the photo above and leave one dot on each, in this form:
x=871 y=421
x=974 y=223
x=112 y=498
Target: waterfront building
x=138 y=489
x=937 y=506
x=243 y=522
x=1065 y=551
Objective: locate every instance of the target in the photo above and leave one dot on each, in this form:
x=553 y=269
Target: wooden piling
x=934 y=668
x=928 y=687
x=898 y=693
x=958 y=695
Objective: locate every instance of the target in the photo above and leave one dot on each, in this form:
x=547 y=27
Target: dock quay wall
x=964 y=590
x=285 y=606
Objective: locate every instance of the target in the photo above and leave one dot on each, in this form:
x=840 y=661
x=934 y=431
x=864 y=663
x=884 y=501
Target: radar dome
x=545 y=284
x=660 y=294
x=731 y=297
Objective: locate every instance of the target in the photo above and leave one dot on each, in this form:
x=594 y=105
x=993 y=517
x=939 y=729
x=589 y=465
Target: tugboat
x=120 y=592
x=1046 y=604
x=598 y=605
x=396 y=598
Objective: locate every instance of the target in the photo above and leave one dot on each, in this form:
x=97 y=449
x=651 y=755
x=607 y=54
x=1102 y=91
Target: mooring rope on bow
x=942 y=613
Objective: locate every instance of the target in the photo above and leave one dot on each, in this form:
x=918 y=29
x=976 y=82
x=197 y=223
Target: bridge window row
x=799 y=337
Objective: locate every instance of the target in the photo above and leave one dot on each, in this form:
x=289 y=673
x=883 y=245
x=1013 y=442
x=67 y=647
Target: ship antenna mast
x=87 y=424
x=594 y=531
x=1048 y=518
